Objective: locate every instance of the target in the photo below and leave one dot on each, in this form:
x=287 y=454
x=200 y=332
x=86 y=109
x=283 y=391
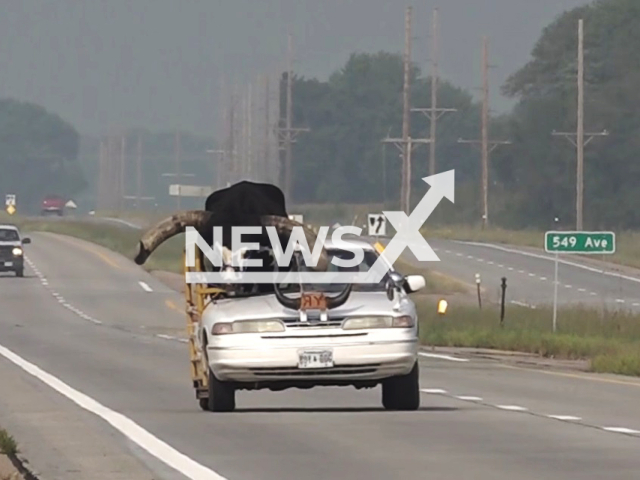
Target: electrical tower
x=487 y=146
x=406 y=143
x=433 y=113
x=287 y=135
x=579 y=142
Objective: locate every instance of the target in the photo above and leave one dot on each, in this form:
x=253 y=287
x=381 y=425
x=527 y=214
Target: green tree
x=38 y=154
x=540 y=170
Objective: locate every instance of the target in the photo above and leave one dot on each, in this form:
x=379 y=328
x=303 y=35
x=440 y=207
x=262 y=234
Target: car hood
x=267 y=306
x=14 y=243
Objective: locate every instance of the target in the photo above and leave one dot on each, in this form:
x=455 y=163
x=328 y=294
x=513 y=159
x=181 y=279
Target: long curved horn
x=285 y=225
x=167 y=228
x=292 y=303
x=340 y=299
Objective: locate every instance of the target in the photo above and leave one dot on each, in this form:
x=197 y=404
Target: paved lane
x=318 y=434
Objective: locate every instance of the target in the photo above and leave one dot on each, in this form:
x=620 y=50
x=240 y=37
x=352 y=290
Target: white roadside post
x=582 y=243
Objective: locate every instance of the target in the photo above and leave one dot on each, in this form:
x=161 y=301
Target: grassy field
x=610 y=340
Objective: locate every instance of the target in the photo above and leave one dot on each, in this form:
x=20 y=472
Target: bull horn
x=292 y=303
x=167 y=228
x=340 y=299
x=285 y=225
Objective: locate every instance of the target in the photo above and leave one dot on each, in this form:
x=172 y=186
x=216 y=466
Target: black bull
x=245 y=204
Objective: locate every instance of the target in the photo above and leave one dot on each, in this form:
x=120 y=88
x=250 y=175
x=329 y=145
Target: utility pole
x=122 y=172
x=288 y=135
x=580 y=142
x=267 y=129
x=406 y=143
x=433 y=113
x=487 y=146
x=250 y=132
x=100 y=200
x=178 y=159
x=139 y=173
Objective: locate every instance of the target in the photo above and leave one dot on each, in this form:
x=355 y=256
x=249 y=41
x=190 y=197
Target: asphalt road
x=126 y=409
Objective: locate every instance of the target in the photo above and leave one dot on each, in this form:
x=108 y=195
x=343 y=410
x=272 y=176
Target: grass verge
x=609 y=340
x=8 y=445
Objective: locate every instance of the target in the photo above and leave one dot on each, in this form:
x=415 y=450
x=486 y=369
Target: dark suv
x=11 y=253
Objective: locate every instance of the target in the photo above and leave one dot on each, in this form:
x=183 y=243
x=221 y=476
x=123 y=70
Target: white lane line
x=513 y=408
x=153 y=445
x=458 y=254
x=543 y=278
x=468 y=398
x=511 y=269
x=489 y=263
x=443 y=357
x=447 y=251
x=469 y=256
x=145 y=287
x=480 y=260
x=635 y=304
x=565 y=418
x=582 y=289
x=593 y=294
x=620 y=430
x=500 y=265
x=568 y=286
x=522 y=304
x=434 y=391
x=520 y=271
x=619 y=300
x=532 y=274
x=166 y=337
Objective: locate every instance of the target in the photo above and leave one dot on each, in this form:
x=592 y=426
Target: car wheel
x=20 y=273
x=204 y=404
x=222 y=395
x=403 y=392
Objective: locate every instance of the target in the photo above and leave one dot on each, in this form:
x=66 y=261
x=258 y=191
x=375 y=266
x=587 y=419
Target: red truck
x=53 y=205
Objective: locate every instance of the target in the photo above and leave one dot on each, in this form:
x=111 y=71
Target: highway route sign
x=377 y=224
x=580 y=242
x=10 y=200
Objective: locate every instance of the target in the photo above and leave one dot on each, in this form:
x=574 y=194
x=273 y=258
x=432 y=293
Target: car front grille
x=6 y=252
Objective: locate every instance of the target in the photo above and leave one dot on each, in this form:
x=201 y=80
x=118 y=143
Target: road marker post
x=478 y=285
x=576 y=243
x=504 y=290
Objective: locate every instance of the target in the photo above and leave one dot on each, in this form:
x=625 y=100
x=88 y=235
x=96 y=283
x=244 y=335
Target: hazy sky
x=158 y=63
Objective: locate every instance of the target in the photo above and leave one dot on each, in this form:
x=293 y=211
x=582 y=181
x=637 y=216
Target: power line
x=433 y=113
x=579 y=142
x=487 y=146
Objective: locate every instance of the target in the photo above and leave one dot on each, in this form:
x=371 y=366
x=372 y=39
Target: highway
x=95 y=384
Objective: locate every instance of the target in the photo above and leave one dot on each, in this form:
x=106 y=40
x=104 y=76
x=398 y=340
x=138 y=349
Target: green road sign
x=580 y=242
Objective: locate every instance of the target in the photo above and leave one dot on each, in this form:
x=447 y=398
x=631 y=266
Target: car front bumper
x=11 y=264
x=355 y=358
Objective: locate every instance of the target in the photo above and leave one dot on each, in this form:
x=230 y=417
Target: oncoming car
x=259 y=341
x=11 y=253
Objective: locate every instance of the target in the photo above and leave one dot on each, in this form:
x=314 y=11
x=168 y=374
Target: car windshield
x=369 y=259
x=8 y=235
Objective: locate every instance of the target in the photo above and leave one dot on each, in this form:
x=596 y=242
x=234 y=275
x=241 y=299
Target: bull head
x=201 y=220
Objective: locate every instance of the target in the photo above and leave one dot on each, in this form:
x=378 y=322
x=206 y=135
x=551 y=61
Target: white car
x=256 y=342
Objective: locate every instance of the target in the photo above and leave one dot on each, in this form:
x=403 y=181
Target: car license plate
x=8 y=264
x=316 y=359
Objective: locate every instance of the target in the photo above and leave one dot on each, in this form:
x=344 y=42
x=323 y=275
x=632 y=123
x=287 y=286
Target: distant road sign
x=580 y=242
x=11 y=209
x=377 y=225
x=10 y=200
x=189 y=191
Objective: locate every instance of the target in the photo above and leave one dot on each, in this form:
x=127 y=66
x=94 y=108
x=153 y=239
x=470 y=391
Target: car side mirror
x=26 y=240
x=414 y=283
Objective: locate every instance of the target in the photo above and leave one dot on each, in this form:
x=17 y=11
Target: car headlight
x=17 y=251
x=361 y=323
x=248 y=326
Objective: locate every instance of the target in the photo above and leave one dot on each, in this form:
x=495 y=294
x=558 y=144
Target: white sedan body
x=292 y=351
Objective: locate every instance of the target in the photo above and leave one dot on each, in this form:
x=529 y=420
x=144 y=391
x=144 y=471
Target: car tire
x=204 y=404
x=222 y=395
x=20 y=273
x=402 y=392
